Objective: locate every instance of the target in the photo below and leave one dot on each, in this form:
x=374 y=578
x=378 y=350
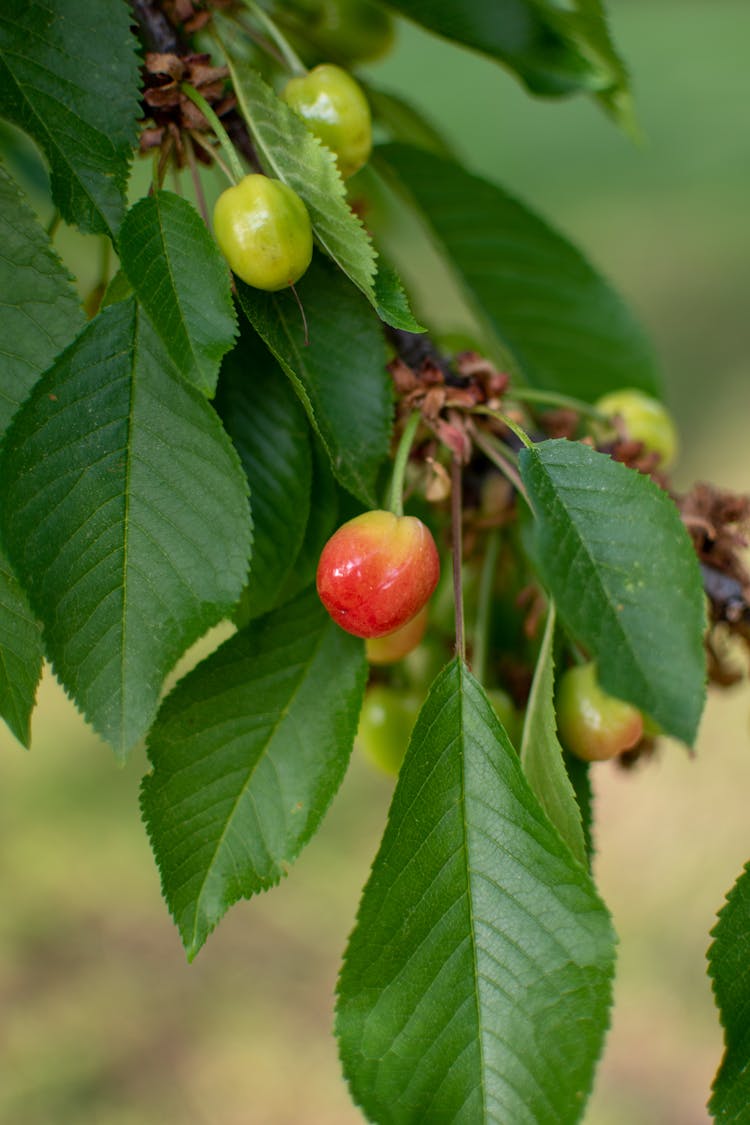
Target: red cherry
x=376 y=572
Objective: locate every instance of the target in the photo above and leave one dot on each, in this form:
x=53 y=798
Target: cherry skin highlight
x=377 y=571
x=593 y=725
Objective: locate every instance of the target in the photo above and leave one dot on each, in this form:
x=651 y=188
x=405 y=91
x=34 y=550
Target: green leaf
x=340 y=376
x=553 y=50
x=69 y=76
x=40 y=312
x=182 y=281
x=124 y=509
x=541 y=753
x=544 y=309
x=391 y=302
x=476 y=984
x=612 y=550
x=248 y=752
x=262 y=415
x=20 y=655
x=39 y=315
x=322 y=522
x=729 y=969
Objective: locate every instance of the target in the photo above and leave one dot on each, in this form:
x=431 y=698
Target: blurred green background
x=102 y=1022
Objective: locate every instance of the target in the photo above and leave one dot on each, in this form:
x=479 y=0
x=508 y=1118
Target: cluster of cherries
x=378 y=571
x=261 y=225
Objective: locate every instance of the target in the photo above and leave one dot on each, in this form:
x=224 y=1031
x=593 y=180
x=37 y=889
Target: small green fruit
x=593 y=725
x=645 y=419
x=263 y=230
x=385 y=726
x=509 y=717
x=333 y=107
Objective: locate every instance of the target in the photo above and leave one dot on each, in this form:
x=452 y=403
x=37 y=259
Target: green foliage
x=181 y=280
x=270 y=432
x=554 y=49
x=247 y=753
x=476 y=983
x=541 y=753
x=518 y=273
x=20 y=655
x=124 y=507
x=729 y=962
x=339 y=375
x=40 y=312
x=615 y=556
x=69 y=78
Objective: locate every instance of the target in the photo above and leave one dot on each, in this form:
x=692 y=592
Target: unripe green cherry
x=333 y=107
x=385 y=725
x=645 y=419
x=506 y=711
x=348 y=30
x=264 y=232
x=395 y=646
x=377 y=572
x=593 y=725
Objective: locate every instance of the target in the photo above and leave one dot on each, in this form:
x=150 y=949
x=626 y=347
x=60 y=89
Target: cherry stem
x=520 y=433
x=484 y=604
x=222 y=136
x=291 y=58
x=302 y=313
x=54 y=223
x=553 y=398
x=396 y=493
x=198 y=140
x=197 y=185
x=494 y=451
x=457 y=541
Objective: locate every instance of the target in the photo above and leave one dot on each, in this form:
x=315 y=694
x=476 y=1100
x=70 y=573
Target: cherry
x=645 y=419
x=395 y=646
x=506 y=711
x=385 y=725
x=593 y=725
x=348 y=30
x=333 y=107
x=264 y=232
x=377 y=571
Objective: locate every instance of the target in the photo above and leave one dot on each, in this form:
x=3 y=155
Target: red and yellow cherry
x=377 y=571
x=264 y=232
x=395 y=646
x=385 y=725
x=333 y=107
x=593 y=725
x=645 y=419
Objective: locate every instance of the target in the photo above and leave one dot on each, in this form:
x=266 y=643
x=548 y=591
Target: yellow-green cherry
x=333 y=107
x=645 y=419
x=592 y=724
x=263 y=230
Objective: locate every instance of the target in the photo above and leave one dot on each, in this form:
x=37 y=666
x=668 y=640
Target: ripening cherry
x=263 y=230
x=645 y=419
x=334 y=108
x=395 y=646
x=377 y=572
x=385 y=725
x=593 y=725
